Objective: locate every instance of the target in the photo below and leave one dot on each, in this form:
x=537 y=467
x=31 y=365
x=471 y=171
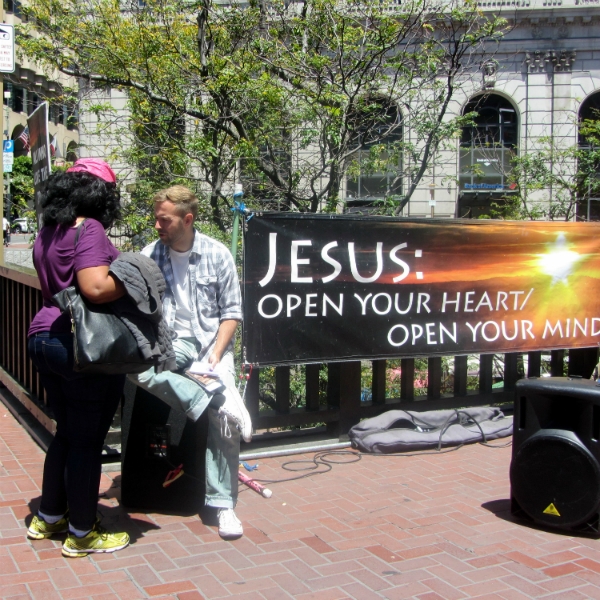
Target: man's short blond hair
x=183 y=198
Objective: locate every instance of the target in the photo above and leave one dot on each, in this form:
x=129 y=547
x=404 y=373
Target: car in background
x=21 y=225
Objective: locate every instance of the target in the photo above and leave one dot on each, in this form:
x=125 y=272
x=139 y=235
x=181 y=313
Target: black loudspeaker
x=555 y=467
x=155 y=441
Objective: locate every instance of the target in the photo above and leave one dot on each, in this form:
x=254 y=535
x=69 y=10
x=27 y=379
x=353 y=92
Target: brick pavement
x=429 y=527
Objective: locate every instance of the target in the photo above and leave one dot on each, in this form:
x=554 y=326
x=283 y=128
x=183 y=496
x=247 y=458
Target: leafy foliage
x=553 y=179
x=21 y=185
x=273 y=94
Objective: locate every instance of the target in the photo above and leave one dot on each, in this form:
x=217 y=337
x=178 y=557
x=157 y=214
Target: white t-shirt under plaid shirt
x=213 y=278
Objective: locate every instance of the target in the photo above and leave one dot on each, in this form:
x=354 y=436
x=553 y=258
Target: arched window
x=374 y=173
x=158 y=137
x=588 y=168
x=72 y=152
x=487 y=146
x=275 y=153
x=589 y=111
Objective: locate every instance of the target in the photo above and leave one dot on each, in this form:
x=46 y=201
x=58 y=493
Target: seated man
x=202 y=303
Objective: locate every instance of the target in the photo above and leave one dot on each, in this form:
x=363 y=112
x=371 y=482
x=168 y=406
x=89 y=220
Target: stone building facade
x=543 y=78
x=539 y=81
x=24 y=90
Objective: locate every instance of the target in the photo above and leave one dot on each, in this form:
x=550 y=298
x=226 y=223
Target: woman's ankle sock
x=78 y=532
x=50 y=519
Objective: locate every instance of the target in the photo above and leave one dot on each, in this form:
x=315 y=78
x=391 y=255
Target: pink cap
x=95 y=166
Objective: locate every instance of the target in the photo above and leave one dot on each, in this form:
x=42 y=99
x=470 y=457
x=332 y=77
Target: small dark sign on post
x=322 y=288
x=40 y=153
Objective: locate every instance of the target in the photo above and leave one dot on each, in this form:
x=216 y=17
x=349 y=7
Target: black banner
x=40 y=154
x=321 y=288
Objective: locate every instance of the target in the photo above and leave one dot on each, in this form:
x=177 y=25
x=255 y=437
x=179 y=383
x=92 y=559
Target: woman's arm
x=98 y=285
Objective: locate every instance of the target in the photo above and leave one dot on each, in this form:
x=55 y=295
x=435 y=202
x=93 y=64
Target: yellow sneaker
x=97 y=540
x=40 y=530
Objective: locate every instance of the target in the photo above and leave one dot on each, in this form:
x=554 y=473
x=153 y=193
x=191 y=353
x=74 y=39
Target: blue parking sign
x=8 y=146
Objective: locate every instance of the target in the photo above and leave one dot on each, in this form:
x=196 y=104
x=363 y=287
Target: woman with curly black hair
x=72 y=249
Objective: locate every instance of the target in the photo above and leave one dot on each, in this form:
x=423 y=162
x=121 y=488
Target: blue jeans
x=84 y=407
x=179 y=392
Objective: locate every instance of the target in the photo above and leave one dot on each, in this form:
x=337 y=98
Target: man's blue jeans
x=181 y=393
x=84 y=406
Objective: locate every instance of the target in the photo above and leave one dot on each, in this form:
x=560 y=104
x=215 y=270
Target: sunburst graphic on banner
x=560 y=260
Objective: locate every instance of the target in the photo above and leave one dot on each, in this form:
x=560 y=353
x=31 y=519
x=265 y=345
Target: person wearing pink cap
x=72 y=249
x=95 y=166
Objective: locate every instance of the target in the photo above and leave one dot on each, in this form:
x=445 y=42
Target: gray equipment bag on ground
x=404 y=431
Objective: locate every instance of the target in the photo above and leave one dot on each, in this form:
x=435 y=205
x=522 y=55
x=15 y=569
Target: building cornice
x=561 y=61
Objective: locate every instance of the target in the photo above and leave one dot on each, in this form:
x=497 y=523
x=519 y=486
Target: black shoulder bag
x=102 y=343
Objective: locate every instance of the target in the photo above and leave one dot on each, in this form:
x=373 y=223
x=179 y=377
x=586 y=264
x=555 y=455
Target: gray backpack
x=403 y=430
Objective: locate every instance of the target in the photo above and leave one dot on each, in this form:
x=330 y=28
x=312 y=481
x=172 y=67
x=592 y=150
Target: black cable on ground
x=319 y=459
x=322 y=462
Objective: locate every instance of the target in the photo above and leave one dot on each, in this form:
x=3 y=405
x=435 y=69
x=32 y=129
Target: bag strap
x=79 y=230
x=77 y=236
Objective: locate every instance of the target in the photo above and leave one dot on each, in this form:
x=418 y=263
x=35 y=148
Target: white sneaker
x=229 y=525
x=235 y=410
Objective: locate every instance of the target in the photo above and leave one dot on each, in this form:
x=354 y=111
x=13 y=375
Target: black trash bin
x=156 y=441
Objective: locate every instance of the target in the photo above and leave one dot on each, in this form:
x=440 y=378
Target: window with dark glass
x=160 y=136
x=34 y=102
x=589 y=111
x=72 y=117
x=588 y=171
x=18 y=99
x=276 y=156
x=375 y=170
x=53 y=110
x=488 y=145
x=72 y=152
x=12 y=6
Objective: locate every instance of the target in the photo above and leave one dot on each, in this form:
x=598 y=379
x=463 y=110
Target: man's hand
x=214 y=359
x=224 y=336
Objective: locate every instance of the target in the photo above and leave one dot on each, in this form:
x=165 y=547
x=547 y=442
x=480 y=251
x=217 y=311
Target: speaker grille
x=555 y=479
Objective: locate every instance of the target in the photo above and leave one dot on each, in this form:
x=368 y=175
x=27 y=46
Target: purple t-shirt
x=56 y=260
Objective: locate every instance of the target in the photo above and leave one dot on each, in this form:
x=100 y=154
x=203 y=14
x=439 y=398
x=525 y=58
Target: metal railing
x=336 y=399
x=345 y=403
x=20 y=300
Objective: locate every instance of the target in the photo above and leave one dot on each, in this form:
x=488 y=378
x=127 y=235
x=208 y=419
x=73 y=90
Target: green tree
x=21 y=185
x=280 y=95
x=554 y=180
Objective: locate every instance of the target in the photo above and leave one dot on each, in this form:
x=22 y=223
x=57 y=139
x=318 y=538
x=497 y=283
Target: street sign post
x=8 y=155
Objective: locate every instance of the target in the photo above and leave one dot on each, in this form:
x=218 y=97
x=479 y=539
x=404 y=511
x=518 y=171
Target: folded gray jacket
x=141 y=308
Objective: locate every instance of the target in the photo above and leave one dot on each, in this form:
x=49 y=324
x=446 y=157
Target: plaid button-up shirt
x=214 y=279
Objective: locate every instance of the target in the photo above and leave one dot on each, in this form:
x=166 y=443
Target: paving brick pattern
x=431 y=527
